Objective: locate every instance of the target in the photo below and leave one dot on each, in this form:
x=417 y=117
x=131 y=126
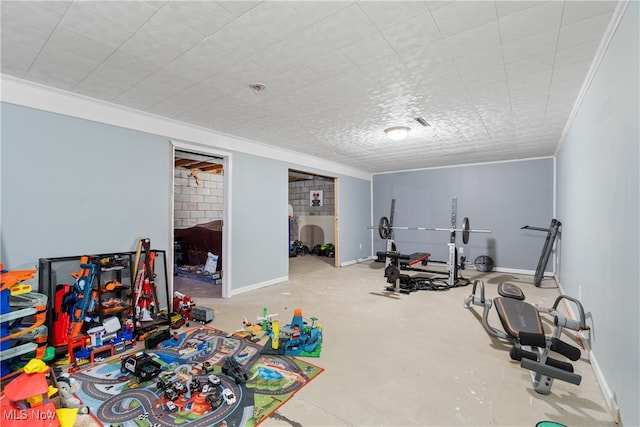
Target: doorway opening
x=199 y=237
x=313 y=216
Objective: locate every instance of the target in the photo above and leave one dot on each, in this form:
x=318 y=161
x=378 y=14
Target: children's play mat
x=192 y=389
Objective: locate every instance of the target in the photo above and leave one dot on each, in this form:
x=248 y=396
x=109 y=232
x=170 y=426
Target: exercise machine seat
x=510 y=290
x=518 y=316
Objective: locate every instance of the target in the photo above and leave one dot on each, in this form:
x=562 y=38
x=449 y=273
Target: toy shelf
x=112 y=287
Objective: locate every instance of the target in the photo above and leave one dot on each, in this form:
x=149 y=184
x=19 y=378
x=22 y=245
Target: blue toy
x=297 y=338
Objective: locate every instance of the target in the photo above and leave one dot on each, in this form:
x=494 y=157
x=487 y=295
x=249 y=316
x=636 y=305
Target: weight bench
x=523 y=329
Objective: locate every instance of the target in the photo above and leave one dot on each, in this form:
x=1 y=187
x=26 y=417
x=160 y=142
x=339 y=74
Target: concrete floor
x=417 y=359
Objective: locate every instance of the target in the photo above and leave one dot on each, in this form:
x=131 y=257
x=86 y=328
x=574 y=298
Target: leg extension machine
x=523 y=329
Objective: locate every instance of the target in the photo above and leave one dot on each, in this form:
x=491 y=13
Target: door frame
x=227 y=204
x=336 y=228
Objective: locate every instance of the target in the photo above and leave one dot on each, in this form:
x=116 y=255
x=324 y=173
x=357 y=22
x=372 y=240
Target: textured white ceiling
x=497 y=80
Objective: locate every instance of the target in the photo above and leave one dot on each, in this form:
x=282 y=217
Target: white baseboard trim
x=356 y=261
x=610 y=398
x=260 y=285
x=585 y=336
x=515 y=271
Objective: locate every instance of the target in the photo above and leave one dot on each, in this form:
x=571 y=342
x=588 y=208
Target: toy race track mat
x=187 y=361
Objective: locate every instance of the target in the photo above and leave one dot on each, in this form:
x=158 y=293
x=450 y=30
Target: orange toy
x=9 y=279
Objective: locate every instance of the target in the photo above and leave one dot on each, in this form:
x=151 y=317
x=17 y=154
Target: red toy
x=145 y=297
x=16 y=411
x=183 y=304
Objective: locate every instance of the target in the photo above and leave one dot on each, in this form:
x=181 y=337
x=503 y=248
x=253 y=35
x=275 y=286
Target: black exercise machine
x=395 y=261
x=405 y=283
x=552 y=233
x=523 y=329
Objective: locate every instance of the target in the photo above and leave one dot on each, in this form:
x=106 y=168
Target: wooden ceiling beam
x=212 y=169
x=199 y=165
x=207 y=167
x=183 y=163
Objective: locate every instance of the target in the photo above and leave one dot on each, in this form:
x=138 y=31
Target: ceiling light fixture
x=397 y=132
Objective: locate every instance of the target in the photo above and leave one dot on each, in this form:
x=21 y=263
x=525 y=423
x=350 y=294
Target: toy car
x=171 y=407
x=171 y=394
x=176 y=320
x=213 y=379
x=141 y=365
x=163 y=383
x=228 y=396
x=214 y=400
x=208 y=367
x=195 y=385
x=179 y=386
x=233 y=369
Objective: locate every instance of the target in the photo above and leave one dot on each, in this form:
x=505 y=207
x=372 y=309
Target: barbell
x=384 y=229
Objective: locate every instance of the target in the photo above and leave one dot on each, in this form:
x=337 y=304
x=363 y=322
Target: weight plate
x=465 y=230
x=391 y=273
x=384 y=228
x=484 y=263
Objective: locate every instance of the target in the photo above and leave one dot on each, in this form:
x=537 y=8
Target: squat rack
x=385 y=230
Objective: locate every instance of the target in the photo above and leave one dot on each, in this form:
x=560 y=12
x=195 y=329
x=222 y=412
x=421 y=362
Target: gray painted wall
x=598 y=200
x=500 y=197
x=72 y=186
x=259 y=225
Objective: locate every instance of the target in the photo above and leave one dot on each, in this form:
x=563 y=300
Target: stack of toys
x=301 y=337
x=23 y=334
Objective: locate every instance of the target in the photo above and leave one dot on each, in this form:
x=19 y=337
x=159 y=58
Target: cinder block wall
x=196 y=204
x=300 y=200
